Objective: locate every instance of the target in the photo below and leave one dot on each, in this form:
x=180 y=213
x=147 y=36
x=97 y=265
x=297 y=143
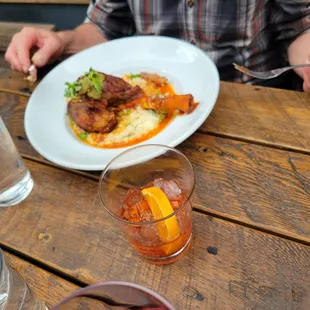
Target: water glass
x=161 y=237
x=16 y=182
x=14 y=291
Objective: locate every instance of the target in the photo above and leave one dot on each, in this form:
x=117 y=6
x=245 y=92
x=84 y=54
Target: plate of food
x=119 y=94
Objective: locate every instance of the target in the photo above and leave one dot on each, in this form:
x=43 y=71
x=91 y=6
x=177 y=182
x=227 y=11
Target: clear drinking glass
x=16 y=182
x=114 y=295
x=160 y=237
x=14 y=291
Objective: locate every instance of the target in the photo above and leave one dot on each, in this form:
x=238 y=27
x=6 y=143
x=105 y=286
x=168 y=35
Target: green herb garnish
x=72 y=89
x=175 y=113
x=72 y=123
x=96 y=79
x=90 y=83
x=162 y=117
x=162 y=114
x=132 y=76
x=128 y=111
x=121 y=113
x=83 y=135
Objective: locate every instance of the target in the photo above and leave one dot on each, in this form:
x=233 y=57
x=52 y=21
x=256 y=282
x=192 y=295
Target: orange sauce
x=165 y=89
x=144 y=137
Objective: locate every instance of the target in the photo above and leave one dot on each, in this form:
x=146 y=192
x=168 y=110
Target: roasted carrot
x=178 y=102
x=182 y=103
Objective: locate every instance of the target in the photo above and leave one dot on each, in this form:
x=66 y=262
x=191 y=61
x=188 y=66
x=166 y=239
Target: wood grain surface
x=251 y=172
x=14 y=82
x=62 y=225
x=264 y=115
x=253 y=184
x=48 y=287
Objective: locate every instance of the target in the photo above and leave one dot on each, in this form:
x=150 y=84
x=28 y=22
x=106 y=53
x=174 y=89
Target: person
x=258 y=34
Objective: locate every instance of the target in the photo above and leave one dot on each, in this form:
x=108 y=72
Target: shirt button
x=190 y=3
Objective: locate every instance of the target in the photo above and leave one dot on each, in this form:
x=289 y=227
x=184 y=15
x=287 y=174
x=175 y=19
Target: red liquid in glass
x=145 y=238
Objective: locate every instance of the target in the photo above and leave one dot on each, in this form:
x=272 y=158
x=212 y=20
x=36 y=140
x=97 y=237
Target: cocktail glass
x=160 y=239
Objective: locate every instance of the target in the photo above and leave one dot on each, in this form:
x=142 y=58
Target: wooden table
x=251 y=244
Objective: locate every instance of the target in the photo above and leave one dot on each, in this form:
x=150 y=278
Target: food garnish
x=90 y=84
x=83 y=135
x=72 y=89
x=168 y=230
x=132 y=76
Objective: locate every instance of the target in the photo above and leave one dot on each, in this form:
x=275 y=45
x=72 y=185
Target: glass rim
x=78 y=292
x=2 y=122
x=2 y=262
x=154 y=221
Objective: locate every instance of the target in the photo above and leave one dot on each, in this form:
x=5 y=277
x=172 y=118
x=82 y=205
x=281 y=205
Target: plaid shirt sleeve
x=112 y=17
x=290 y=18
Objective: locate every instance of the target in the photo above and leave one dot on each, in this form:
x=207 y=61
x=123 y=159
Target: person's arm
x=82 y=37
x=299 y=51
x=106 y=20
x=291 y=23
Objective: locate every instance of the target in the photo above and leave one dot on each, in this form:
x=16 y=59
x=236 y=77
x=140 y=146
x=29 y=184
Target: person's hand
x=306 y=78
x=47 y=43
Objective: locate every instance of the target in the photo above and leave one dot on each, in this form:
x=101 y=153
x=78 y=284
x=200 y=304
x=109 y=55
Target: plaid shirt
x=253 y=33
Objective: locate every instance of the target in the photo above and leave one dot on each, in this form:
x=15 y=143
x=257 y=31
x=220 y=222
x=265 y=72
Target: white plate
x=188 y=68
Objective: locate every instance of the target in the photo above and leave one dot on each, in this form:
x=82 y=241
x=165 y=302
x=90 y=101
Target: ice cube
x=149 y=235
x=133 y=196
x=135 y=207
x=170 y=188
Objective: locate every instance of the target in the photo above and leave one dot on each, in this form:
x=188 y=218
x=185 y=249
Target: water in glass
x=16 y=182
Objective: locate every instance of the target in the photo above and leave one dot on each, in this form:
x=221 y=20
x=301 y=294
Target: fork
x=265 y=75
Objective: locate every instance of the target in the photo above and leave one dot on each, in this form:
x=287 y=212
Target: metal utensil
x=265 y=75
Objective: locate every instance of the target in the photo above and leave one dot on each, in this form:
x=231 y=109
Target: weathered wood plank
x=48 y=287
x=253 y=184
x=227 y=267
x=3 y=63
x=249 y=183
x=262 y=115
x=14 y=82
x=12 y=112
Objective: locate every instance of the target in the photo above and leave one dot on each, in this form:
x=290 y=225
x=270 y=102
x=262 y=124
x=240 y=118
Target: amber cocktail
x=147 y=189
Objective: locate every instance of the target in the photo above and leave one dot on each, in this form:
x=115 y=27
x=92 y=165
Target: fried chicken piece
x=117 y=91
x=92 y=116
x=103 y=86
